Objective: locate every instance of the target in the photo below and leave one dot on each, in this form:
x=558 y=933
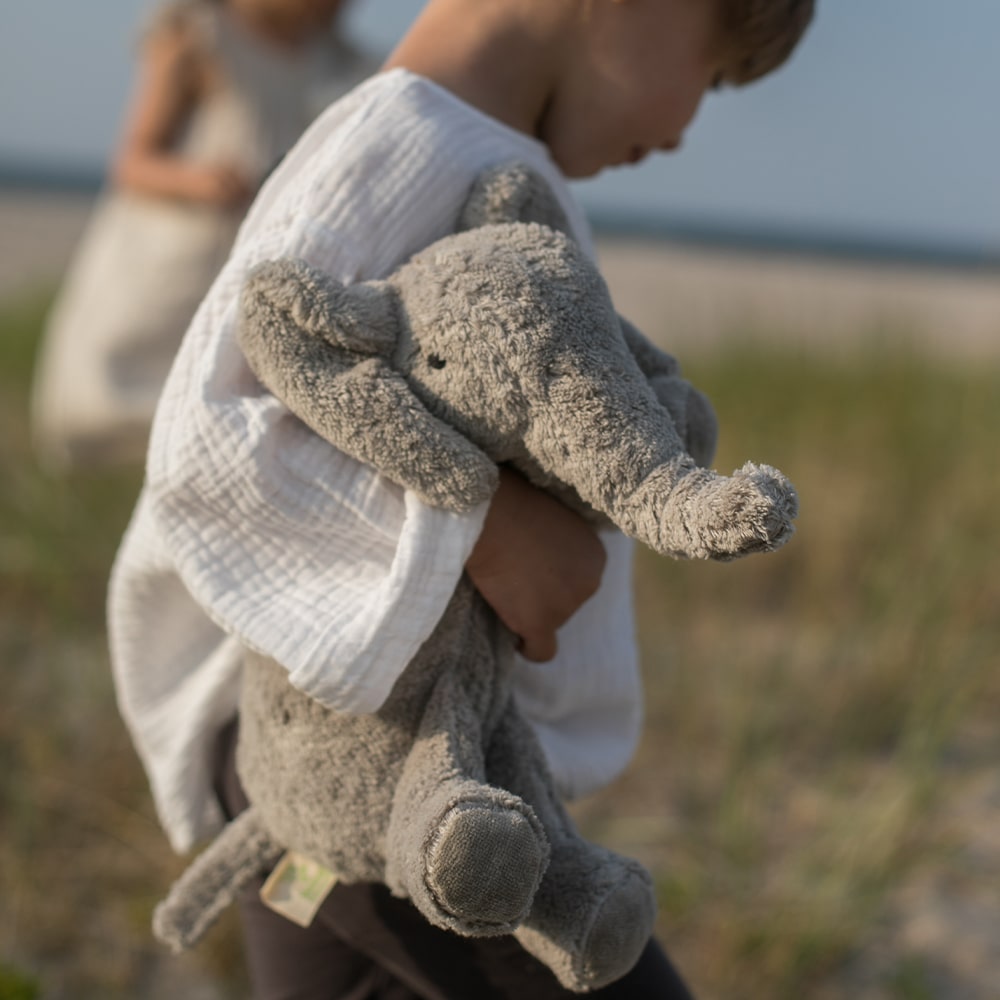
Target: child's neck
x=501 y=58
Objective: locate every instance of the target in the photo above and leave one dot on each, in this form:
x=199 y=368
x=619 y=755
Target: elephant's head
x=497 y=344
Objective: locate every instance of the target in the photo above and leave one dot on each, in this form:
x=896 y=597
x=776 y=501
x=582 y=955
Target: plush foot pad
x=592 y=917
x=485 y=865
x=618 y=935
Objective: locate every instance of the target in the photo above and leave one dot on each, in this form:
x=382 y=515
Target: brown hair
x=762 y=34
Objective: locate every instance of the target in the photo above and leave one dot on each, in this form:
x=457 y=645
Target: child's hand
x=172 y=84
x=536 y=562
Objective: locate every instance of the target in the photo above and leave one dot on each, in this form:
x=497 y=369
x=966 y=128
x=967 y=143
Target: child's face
x=634 y=82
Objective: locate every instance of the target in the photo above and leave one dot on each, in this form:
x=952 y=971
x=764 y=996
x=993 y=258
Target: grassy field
x=816 y=720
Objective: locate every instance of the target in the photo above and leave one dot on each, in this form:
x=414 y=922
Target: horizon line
x=775 y=239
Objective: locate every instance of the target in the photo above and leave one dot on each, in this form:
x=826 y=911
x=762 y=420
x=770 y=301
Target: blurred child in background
x=225 y=87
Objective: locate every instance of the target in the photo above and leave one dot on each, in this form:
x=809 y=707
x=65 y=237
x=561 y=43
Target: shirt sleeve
x=305 y=554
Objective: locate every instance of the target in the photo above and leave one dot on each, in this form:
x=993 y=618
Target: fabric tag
x=297 y=887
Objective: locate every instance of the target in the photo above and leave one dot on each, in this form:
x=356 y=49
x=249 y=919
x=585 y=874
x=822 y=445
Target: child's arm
x=536 y=562
x=171 y=82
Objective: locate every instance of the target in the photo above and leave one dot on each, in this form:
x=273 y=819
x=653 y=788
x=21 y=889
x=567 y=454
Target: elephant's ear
x=690 y=409
x=323 y=349
x=359 y=317
x=512 y=192
x=649 y=357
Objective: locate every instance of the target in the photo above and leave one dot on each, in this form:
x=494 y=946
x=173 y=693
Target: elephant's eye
x=435 y=362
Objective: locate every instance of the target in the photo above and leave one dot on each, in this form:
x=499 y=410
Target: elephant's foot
x=484 y=864
x=592 y=918
x=479 y=864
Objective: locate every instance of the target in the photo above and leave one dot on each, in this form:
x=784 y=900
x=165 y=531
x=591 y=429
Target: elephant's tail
x=242 y=851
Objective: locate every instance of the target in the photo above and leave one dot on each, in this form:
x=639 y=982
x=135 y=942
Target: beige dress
x=144 y=263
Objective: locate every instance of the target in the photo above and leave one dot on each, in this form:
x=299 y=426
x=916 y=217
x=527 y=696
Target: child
x=253 y=532
x=225 y=88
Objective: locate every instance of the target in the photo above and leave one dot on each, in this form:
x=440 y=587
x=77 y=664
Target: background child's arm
x=172 y=79
x=536 y=562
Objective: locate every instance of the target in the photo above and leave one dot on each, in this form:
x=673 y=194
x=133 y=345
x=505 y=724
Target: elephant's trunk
x=612 y=441
x=702 y=515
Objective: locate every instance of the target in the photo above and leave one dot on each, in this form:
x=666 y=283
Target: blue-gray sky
x=880 y=126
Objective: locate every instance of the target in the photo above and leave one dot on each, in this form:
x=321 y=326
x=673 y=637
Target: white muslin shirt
x=251 y=531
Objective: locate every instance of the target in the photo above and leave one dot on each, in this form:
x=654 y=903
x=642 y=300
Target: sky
x=883 y=125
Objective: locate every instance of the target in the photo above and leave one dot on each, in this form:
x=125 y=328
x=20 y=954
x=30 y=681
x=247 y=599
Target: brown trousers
x=365 y=944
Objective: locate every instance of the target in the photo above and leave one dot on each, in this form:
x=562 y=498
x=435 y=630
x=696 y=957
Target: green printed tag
x=297 y=887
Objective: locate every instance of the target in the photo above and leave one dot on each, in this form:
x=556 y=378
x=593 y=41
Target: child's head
x=761 y=35
x=637 y=70
x=289 y=21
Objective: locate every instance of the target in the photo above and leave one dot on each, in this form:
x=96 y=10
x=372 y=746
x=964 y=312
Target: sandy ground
x=695 y=297
x=686 y=298
x=37 y=235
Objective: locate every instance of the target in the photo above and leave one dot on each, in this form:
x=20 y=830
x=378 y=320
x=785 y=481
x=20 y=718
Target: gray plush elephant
x=498 y=344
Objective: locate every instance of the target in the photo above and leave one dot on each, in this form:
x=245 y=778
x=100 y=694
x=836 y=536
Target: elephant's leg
x=241 y=852
x=595 y=910
x=470 y=856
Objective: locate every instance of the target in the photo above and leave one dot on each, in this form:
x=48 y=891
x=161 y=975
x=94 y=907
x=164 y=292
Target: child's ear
x=512 y=192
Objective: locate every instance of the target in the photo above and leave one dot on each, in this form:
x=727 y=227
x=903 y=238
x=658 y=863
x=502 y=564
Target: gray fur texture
x=498 y=344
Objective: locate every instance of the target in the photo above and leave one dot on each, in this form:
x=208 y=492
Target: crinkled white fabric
x=251 y=530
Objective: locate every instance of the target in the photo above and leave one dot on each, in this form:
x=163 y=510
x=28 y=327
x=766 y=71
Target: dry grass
x=811 y=715
x=82 y=859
